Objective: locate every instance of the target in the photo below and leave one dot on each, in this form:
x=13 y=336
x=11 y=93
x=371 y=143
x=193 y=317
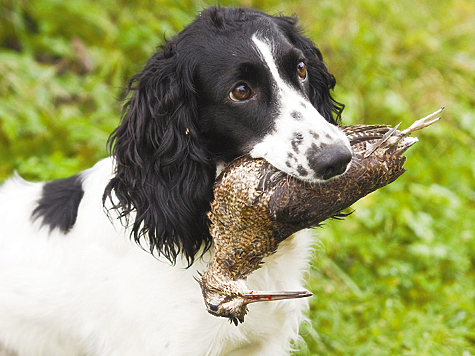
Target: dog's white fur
x=96 y=292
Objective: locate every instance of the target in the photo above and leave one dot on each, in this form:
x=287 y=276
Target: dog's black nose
x=330 y=161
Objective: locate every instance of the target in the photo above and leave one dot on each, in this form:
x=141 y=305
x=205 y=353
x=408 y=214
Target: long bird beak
x=252 y=296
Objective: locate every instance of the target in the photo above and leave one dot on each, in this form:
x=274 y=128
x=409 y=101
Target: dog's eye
x=240 y=92
x=302 y=70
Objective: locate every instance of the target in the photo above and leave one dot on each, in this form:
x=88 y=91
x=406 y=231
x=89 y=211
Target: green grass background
x=396 y=277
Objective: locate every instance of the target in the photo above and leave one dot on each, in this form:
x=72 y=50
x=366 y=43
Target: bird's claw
x=422 y=123
x=393 y=136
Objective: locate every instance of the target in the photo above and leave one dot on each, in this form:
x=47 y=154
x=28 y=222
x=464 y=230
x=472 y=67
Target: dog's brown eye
x=240 y=92
x=302 y=70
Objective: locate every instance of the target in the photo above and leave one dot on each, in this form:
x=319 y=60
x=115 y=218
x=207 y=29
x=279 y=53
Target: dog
x=104 y=262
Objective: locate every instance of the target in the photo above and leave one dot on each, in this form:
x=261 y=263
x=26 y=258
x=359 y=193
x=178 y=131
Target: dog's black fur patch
x=59 y=203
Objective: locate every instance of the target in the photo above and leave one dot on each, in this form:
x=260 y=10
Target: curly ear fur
x=321 y=81
x=164 y=175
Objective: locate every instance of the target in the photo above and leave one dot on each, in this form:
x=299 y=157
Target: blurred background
x=397 y=277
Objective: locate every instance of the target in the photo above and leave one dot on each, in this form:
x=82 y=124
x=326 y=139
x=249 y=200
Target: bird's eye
x=240 y=92
x=302 y=70
x=213 y=307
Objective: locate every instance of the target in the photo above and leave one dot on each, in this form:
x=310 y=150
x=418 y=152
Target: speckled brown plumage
x=257 y=206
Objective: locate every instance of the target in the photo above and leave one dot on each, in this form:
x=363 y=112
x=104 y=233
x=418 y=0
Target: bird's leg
x=422 y=123
x=393 y=136
x=370 y=148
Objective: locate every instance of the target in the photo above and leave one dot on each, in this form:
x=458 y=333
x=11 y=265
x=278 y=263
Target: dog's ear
x=163 y=174
x=321 y=81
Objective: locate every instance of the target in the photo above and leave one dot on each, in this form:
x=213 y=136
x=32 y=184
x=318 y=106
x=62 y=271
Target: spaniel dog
x=104 y=262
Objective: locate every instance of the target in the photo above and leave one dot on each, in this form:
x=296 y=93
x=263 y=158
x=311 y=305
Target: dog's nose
x=330 y=161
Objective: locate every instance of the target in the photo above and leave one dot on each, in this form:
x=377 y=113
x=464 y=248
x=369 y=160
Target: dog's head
x=234 y=82
x=264 y=89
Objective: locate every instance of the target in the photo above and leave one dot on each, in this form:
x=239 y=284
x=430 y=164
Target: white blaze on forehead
x=265 y=50
x=298 y=128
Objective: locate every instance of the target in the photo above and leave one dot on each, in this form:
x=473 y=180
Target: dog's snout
x=330 y=161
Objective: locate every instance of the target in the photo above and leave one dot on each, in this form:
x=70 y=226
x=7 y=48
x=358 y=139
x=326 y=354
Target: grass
x=397 y=277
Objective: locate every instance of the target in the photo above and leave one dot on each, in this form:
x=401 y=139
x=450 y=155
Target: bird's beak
x=252 y=296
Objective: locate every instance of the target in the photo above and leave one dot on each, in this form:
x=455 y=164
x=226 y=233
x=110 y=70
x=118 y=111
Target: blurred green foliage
x=395 y=278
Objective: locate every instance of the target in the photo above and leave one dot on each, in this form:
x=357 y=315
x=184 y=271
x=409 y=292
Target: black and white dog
x=77 y=276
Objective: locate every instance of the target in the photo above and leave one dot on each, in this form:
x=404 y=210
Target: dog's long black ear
x=321 y=81
x=163 y=174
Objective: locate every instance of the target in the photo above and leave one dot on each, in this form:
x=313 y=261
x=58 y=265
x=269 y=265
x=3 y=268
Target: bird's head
x=229 y=298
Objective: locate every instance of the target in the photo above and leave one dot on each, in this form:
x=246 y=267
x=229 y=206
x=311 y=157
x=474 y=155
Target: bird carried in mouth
x=257 y=206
